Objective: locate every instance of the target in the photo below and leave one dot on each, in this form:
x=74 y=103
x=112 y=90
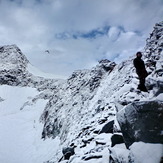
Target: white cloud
x=113 y=33
x=34 y=24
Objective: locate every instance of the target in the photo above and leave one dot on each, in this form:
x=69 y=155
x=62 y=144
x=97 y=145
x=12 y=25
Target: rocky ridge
x=85 y=113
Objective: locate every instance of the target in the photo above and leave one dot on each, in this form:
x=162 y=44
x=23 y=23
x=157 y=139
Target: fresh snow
x=20 y=136
x=146 y=152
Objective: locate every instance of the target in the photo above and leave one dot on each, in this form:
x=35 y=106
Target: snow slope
x=33 y=70
x=20 y=136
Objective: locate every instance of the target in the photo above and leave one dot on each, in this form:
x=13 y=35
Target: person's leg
x=142 y=86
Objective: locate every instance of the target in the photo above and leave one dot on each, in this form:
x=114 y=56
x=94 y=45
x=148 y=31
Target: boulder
x=116 y=139
x=142 y=121
x=68 y=152
x=108 y=128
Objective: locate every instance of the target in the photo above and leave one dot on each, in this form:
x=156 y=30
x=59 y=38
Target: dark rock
x=1 y=49
x=107 y=128
x=67 y=155
x=124 y=103
x=68 y=152
x=87 y=140
x=96 y=131
x=116 y=139
x=83 y=145
x=142 y=121
x=86 y=128
x=92 y=157
x=107 y=65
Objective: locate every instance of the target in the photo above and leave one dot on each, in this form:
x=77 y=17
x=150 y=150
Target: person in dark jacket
x=141 y=71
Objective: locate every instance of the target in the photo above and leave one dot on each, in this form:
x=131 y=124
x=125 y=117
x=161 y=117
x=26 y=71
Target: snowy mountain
x=23 y=97
x=44 y=119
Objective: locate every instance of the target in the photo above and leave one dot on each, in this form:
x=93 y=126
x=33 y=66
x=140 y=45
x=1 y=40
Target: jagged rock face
x=71 y=102
x=142 y=121
x=154 y=50
x=13 y=64
x=154 y=59
x=107 y=65
x=12 y=58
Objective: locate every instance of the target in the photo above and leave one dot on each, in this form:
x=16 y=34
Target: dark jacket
x=140 y=67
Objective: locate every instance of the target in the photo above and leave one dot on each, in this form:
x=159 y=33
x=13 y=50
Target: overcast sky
x=60 y=36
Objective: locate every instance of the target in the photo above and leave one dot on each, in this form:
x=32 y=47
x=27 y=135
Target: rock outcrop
x=142 y=121
x=79 y=90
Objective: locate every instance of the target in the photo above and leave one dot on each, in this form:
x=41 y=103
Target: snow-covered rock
x=71 y=103
x=151 y=153
x=142 y=121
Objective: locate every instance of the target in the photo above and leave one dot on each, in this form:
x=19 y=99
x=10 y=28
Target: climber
x=141 y=71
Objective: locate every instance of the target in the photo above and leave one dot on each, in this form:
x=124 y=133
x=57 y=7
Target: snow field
x=20 y=136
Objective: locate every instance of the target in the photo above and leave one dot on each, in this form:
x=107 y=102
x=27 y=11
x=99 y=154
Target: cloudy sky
x=60 y=36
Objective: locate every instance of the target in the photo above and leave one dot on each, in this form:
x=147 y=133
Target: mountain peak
x=15 y=69
x=10 y=49
x=12 y=58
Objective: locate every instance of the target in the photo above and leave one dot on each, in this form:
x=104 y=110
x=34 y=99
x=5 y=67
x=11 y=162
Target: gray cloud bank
x=77 y=33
